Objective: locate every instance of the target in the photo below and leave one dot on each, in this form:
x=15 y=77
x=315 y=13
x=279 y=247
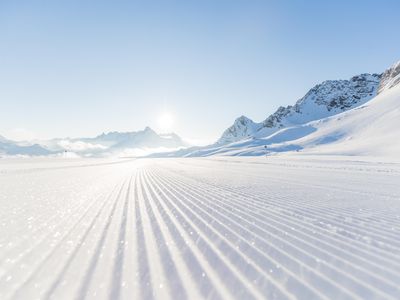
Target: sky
x=80 y=68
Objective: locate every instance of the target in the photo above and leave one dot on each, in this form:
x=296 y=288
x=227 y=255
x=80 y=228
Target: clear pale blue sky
x=78 y=68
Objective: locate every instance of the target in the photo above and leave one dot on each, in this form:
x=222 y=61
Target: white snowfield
x=281 y=227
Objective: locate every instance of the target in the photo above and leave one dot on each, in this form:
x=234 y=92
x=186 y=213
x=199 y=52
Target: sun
x=166 y=122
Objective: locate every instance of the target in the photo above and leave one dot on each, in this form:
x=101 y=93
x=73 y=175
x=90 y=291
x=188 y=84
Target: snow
x=368 y=130
x=390 y=78
x=368 y=126
x=79 y=146
x=280 y=227
x=329 y=98
x=110 y=144
x=242 y=127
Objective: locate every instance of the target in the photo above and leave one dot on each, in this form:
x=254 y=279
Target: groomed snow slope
x=240 y=228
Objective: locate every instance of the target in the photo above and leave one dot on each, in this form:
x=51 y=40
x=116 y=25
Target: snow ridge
x=323 y=100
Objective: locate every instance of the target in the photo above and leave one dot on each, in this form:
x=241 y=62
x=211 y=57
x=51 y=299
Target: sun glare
x=166 y=122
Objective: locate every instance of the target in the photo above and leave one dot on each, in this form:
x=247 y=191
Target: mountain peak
x=149 y=130
x=241 y=128
x=243 y=120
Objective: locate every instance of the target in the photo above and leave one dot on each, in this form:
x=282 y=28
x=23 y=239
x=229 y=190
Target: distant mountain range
x=326 y=99
x=8 y=147
x=113 y=143
x=332 y=113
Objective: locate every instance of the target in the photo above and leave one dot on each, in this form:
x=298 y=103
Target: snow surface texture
x=238 y=228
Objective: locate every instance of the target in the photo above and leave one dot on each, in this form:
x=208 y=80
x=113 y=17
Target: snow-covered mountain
x=129 y=143
x=243 y=127
x=8 y=147
x=372 y=129
x=135 y=143
x=323 y=100
x=360 y=116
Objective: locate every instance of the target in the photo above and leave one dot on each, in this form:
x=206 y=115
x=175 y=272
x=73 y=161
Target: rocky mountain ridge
x=323 y=100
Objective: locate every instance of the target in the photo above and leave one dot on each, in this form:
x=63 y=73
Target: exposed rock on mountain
x=390 y=77
x=326 y=99
x=359 y=116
